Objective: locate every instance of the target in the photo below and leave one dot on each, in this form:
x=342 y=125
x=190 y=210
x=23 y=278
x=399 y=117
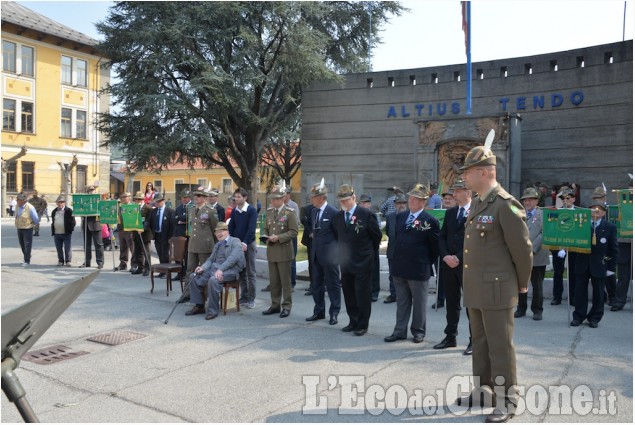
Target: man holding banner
x=92 y=232
x=597 y=265
x=625 y=243
x=126 y=244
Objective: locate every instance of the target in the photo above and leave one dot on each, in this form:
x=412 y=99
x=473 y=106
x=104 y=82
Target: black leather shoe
x=211 y=316
x=348 y=328
x=84 y=265
x=468 y=349
x=446 y=343
x=617 y=307
x=184 y=300
x=266 y=288
x=308 y=293
x=271 y=311
x=374 y=298
x=146 y=273
x=418 y=339
x=556 y=302
x=537 y=316
x=593 y=324
x=575 y=322
x=360 y=332
x=498 y=417
x=438 y=304
x=469 y=401
x=315 y=317
x=390 y=299
x=333 y=320
x=285 y=313
x=518 y=313
x=195 y=310
x=393 y=338
x=161 y=275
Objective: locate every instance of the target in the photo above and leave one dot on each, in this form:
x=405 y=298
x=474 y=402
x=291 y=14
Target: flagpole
x=468 y=13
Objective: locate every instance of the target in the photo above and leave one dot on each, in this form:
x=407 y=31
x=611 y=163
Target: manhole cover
x=116 y=338
x=50 y=355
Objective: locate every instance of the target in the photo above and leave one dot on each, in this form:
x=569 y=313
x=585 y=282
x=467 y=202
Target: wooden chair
x=178 y=245
x=225 y=296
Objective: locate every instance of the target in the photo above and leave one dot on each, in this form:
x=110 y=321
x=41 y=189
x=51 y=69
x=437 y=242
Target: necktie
x=529 y=215
x=348 y=217
x=461 y=215
x=160 y=218
x=411 y=219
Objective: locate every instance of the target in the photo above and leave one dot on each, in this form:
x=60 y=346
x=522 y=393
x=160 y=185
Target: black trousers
x=582 y=298
x=558 y=272
x=357 y=289
x=624 y=272
x=375 y=277
x=537 y=277
x=326 y=277
x=453 y=278
x=94 y=238
x=163 y=248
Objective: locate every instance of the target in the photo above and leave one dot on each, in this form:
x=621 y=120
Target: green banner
x=567 y=229
x=108 y=211
x=85 y=204
x=625 y=208
x=438 y=214
x=131 y=217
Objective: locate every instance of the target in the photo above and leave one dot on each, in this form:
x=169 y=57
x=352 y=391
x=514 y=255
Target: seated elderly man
x=224 y=265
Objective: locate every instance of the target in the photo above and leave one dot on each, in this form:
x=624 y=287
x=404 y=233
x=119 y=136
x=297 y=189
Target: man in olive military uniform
x=40 y=205
x=281 y=226
x=203 y=220
x=126 y=242
x=497 y=261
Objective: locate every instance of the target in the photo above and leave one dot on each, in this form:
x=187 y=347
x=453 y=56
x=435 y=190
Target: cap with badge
x=596 y=204
x=185 y=194
x=598 y=193
x=278 y=192
x=212 y=192
x=199 y=191
x=318 y=189
x=138 y=195
x=530 y=193
x=365 y=197
x=481 y=155
x=159 y=198
x=419 y=191
x=566 y=191
x=458 y=184
x=221 y=226
x=124 y=195
x=345 y=192
x=395 y=189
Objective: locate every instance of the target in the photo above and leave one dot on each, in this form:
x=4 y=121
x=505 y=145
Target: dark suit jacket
x=451 y=235
x=357 y=242
x=69 y=221
x=306 y=213
x=220 y=210
x=390 y=232
x=167 y=228
x=324 y=246
x=416 y=246
x=603 y=255
x=180 y=215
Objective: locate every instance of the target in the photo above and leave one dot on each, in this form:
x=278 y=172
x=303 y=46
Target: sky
x=430 y=34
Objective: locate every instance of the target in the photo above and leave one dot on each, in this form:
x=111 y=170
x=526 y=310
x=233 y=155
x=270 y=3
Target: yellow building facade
x=168 y=181
x=51 y=76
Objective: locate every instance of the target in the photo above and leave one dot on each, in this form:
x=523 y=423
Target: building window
x=80 y=124
x=136 y=186
x=579 y=60
x=227 y=185
x=528 y=69
x=73 y=119
x=457 y=75
x=27 y=61
x=391 y=81
x=27 y=117
x=8 y=56
x=434 y=78
x=8 y=114
x=67 y=70
x=479 y=74
x=82 y=175
x=82 y=72
x=608 y=57
x=12 y=185
x=28 y=170
x=369 y=83
x=202 y=183
x=158 y=185
x=413 y=80
x=504 y=71
x=74 y=71
x=66 y=123
x=554 y=65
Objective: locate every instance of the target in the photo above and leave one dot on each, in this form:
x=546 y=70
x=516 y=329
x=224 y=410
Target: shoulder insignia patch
x=515 y=210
